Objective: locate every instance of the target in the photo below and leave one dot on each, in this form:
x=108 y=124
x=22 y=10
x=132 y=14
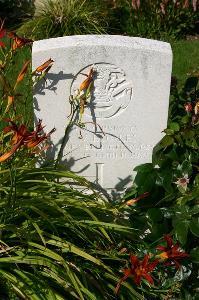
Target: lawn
x=186 y=58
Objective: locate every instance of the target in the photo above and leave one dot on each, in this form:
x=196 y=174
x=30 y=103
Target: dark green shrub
x=172 y=181
x=154 y=18
x=14 y=12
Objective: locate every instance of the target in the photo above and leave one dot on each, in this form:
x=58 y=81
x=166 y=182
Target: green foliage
x=155 y=19
x=23 y=98
x=53 y=245
x=165 y=20
x=65 y=17
x=172 y=180
x=185 y=58
x=60 y=240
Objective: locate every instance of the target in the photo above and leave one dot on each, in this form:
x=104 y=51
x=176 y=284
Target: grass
x=186 y=58
x=65 y=17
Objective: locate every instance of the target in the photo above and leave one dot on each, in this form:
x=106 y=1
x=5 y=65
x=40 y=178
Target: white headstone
x=130 y=102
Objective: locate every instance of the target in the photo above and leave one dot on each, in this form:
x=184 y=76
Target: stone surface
x=129 y=102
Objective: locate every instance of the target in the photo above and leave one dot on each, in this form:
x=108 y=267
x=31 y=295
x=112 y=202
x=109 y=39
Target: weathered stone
x=129 y=102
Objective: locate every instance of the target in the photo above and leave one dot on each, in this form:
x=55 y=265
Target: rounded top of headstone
x=107 y=40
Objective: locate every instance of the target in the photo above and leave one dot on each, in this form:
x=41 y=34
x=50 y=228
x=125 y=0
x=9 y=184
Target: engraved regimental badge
x=112 y=92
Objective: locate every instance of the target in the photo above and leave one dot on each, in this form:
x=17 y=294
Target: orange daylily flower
x=18 y=42
x=47 y=69
x=23 y=72
x=8 y=154
x=134 y=200
x=138 y=270
x=46 y=65
x=86 y=83
x=23 y=137
x=171 y=253
x=10 y=102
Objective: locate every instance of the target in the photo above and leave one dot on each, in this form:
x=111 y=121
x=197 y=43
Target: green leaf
x=108 y=225
x=194 y=210
x=143 y=172
x=155 y=214
x=144 y=168
x=76 y=250
x=39 y=231
x=169 y=131
x=166 y=141
x=185 y=119
x=191 y=84
x=194 y=254
x=194 y=226
x=174 y=126
x=181 y=230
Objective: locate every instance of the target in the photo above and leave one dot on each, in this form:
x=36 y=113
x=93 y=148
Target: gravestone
x=128 y=109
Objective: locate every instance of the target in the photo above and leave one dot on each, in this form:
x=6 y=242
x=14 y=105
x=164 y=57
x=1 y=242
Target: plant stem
x=64 y=140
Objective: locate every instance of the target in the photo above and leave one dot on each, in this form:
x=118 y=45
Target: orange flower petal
x=127 y=273
x=85 y=84
x=10 y=102
x=132 y=201
x=10 y=153
x=44 y=66
x=18 y=42
x=23 y=72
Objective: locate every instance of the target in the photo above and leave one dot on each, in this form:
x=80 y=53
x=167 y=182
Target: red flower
x=2 y=34
x=23 y=137
x=138 y=270
x=171 y=253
